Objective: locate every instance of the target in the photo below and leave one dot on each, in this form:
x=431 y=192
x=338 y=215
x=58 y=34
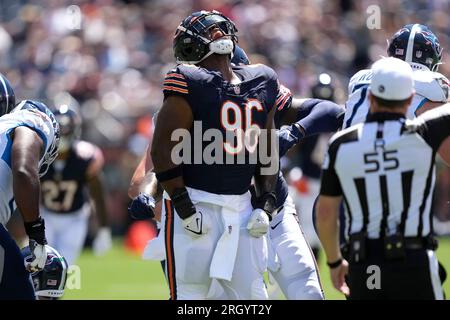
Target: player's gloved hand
x=195 y=222
x=142 y=207
x=258 y=224
x=264 y=209
x=36 y=233
x=102 y=242
x=197 y=225
x=288 y=136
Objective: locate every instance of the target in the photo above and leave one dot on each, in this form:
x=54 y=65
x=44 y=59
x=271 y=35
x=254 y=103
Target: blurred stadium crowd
x=110 y=57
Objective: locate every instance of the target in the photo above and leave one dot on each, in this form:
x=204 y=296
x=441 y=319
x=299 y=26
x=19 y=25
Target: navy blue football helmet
x=417 y=45
x=70 y=123
x=239 y=57
x=7 y=96
x=50 y=281
x=52 y=151
x=192 y=42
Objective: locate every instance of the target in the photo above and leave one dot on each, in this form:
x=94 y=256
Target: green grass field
x=123 y=275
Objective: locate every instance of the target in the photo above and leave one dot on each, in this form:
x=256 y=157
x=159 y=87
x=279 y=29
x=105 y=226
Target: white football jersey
x=34 y=119
x=430 y=86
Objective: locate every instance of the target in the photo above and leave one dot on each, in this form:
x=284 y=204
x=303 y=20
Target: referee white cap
x=392 y=79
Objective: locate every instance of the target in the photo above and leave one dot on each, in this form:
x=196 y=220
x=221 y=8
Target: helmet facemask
x=193 y=43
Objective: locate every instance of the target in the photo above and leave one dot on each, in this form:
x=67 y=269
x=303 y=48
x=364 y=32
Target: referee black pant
x=414 y=278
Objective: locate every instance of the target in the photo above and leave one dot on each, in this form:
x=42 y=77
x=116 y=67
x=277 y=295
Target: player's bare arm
x=94 y=180
x=27 y=149
x=144 y=180
x=175 y=114
x=95 y=184
x=145 y=191
x=138 y=177
x=265 y=184
x=328 y=229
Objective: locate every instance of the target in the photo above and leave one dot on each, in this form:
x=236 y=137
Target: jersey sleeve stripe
x=171 y=88
x=175 y=75
x=282 y=103
x=180 y=83
x=285 y=100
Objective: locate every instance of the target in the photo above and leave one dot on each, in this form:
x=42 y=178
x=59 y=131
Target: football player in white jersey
x=417 y=45
x=29 y=136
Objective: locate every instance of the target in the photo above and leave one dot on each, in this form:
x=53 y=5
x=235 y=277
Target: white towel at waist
x=235 y=212
x=222 y=263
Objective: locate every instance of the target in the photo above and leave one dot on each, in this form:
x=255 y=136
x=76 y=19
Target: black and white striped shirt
x=384 y=169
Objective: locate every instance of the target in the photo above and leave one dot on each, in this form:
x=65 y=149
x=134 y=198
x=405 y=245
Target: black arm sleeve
x=320 y=116
x=436 y=126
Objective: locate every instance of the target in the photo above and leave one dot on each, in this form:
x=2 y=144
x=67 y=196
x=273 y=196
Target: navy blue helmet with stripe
x=7 y=96
x=417 y=45
x=50 y=281
x=192 y=42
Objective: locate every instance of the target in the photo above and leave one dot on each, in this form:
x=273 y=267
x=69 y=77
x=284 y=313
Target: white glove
x=39 y=256
x=197 y=225
x=258 y=224
x=102 y=242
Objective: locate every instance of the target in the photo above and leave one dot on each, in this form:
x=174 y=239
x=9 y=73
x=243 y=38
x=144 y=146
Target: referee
x=384 y=171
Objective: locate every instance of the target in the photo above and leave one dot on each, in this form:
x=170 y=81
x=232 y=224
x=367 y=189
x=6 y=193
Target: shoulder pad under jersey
x=431 y=85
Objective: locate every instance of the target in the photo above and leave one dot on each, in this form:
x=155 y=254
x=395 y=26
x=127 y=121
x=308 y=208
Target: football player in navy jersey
x=29 y=137
x=71 y=181
x=297 y=273
x=213 y=234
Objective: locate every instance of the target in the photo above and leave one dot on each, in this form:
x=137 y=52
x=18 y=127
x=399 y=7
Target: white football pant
x=296 y=271
x=188 y=261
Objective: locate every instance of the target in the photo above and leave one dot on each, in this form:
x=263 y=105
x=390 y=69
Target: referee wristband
x=335 y=264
